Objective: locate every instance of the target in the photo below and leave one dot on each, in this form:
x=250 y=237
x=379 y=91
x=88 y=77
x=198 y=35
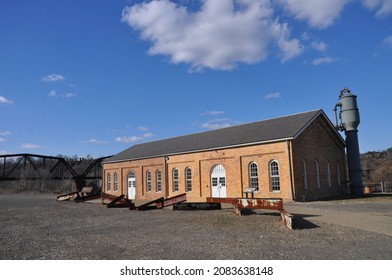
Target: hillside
x=377 y=166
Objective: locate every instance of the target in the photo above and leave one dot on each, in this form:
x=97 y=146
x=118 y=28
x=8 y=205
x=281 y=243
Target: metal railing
x=379 y=187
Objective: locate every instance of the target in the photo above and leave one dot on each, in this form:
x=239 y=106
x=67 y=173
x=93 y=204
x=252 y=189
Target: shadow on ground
x=300 y=222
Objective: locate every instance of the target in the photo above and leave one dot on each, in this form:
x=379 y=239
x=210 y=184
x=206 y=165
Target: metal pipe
x=293 y=195
x=336 y=115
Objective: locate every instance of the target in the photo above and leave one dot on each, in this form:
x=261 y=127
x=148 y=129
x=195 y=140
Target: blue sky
x=96 y=77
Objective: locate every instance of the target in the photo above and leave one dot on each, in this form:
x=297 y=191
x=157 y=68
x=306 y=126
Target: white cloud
x=94 y=141
x=383 y=7
x=128 y=139
x=213 y=113
x=31 y=146
x=218 y=36
x=68 y=95
x=305 y=36
x=143 y=128
x=289 y=48
x=272 y=95
x=52 y=93
x=52 y=78
x=132 y=139
x=5 y=133
x=218 y=123
x=323 y=60
x=318 y=13
x=5 y=101
x=148 y=135
x=319 y=46
x=388 y=42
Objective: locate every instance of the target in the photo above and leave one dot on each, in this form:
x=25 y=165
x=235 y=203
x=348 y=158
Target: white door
x=218 y=181
x=131 y=186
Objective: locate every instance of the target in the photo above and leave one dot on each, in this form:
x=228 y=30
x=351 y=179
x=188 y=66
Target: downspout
x=166 y=190
x=103 y=179
x=122 y=181
x=290 y=170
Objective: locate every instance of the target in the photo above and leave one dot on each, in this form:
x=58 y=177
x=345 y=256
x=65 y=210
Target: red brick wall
x=319 y=143
x=235 y=161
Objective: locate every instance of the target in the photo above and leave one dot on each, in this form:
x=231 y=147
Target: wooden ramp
x=85 y=194
x=67 y=196
x=88 y=197
x=112 y=201
x=258 y=203
x=149 y=205
x=195 y=206
x=171 y=201
x=162 y=202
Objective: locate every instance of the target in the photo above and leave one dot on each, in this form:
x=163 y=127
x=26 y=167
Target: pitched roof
x=276 y=129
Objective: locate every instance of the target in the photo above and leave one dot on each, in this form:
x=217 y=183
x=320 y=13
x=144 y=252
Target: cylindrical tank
x=349 y=123
x=350 y=113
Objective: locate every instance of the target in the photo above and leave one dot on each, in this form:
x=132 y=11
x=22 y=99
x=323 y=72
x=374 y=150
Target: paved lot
x=38 y=227
x=372 y=214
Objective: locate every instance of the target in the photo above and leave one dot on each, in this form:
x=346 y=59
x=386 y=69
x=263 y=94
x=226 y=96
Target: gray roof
x=276 y=129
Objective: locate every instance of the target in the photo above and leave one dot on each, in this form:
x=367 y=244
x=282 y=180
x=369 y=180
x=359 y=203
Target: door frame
x=131 y=179
x=218 y=172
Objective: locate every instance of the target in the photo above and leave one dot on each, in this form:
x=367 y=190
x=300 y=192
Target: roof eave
x=204 y=150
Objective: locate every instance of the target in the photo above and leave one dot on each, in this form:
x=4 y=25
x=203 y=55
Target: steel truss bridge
x=16 y=167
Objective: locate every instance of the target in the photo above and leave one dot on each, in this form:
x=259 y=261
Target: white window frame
x=253 y=175
x=158 y=181
x=188 y=179
x=176 y=177
x=108 y=182
x=148 y=181
x=115 y=178
x=274 y=176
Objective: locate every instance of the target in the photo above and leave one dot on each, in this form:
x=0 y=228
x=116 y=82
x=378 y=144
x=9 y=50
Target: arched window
x=109 y=182
x=175 y=180
x=148 y=180
x=188 y=179
x=329 y=174
x=304 y=175
x=253 y=176
x=338 y=173
x=115 y=182
x=274 y=176
x=317 y=173
x=159 y=181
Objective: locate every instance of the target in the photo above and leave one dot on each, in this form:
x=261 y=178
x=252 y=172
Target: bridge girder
x=58 y=168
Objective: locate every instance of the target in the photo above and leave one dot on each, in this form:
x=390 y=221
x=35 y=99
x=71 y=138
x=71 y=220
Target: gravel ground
x=36 y=227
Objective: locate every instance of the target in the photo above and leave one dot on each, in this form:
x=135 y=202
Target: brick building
x=297 y=157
